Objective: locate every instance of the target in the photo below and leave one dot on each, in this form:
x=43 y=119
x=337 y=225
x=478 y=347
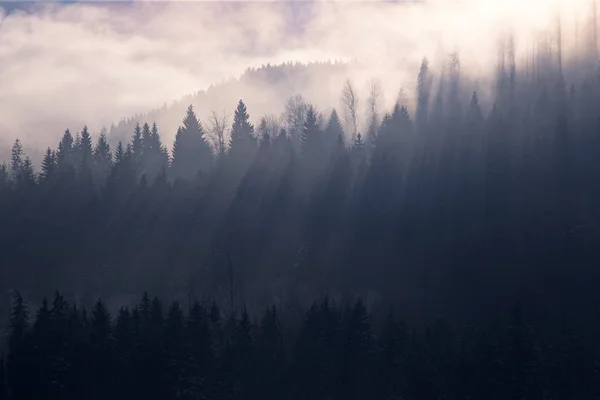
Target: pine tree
x=392 y=364
x=123 y=331
x=146 y=146
x=333 y=133
x=191 y=153
x=271 y=348
x=100 y=325
x=119 y=153
x=160 y=150
x=137 y=142
x=20 y=354
x=64 y=155
x=155 y=157
x=5 y=182
x=86 y=147
x=124 y=342
x=19 y=321
x=310 y=139
x=423 y=92
x=198 y=332
x=357 y=351
x=101 y=349
x=103 y=159
x=242 y=144
x=25 y=178
x=16 y=160
x=241 y=357
x=49 y=166
x=177 y=375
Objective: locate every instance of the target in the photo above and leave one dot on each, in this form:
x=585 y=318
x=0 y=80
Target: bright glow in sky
x=95 y=62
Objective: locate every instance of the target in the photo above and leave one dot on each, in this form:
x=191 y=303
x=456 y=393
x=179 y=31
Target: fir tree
x=19 y=321
x=103 y=158
x=64 y=155
x=17 y=155
x=191 y=153
x=85 y=147
x=241 y=143
x=25 y=178
x=333 y=133
x=310 y=139
x=49 y=165
x=119 y=153
x=423 y=92
x=137 y=141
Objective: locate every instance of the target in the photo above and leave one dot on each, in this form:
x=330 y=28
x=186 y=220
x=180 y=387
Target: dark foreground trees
x=333 y=351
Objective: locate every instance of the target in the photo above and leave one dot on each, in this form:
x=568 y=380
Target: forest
x=331 y=350
x=426 y=209
x=443 y=248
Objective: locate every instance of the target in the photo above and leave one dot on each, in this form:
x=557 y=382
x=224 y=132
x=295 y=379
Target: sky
x=65 y=64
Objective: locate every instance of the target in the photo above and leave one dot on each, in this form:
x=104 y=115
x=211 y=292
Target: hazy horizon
x=63 y=65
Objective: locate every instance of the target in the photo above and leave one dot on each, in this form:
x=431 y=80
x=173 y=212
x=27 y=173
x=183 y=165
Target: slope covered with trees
x=428 y=205
x=263 y=89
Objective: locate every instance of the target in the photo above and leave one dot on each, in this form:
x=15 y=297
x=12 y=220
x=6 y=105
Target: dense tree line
x=428 y=205
x=155 y=350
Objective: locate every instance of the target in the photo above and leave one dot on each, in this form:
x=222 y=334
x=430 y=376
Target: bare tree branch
x=269 y=126
x=295 y=114
x=218 y=125
x=350 y=108
x=373 y=103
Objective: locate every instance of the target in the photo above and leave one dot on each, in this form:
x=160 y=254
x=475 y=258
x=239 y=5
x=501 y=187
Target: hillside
x=263 y=89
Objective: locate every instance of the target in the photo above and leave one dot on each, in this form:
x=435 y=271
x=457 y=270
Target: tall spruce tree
x=17 y=157
x=103 y=159
x=242 y=145
x=191 y=153
x=49 y=166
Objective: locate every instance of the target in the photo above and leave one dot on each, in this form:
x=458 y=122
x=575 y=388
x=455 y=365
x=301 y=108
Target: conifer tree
x=160 y=150
x=191 y=153
x=137 y=142
x=310 y=139
x=17 y=157
x=25 y=178
x=124 y=342
x=86 y=147
x=271 y=348
x=19 y=321
x=103 y=158
x=49 y=166
x=155 y=156
x=423 y=93
x=64 y=155
x=119 y=153
x=5 y=182
x=177 y=373
x=101 y=342
x=242 y=144
x=333 y=133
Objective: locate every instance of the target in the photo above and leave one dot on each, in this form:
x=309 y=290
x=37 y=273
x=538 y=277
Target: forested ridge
x=428 y=205
x=446 y=247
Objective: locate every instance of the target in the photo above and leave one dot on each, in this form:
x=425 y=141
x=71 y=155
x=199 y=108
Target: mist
x=66 y=65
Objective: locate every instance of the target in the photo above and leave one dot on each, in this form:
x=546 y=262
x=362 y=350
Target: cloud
x=63 y=65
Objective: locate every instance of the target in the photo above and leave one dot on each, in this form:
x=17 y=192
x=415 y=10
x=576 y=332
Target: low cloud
x=65 y=65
